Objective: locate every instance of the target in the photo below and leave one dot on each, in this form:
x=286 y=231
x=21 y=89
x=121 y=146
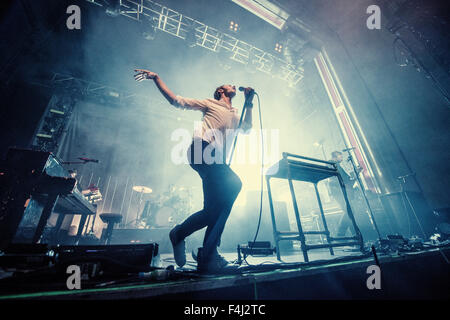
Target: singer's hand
x=249 y=93
x=143 y=74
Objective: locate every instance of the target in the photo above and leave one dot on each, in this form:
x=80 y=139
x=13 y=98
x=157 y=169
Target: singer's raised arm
x=177 y=101
x=143 y=74
x=189 y=103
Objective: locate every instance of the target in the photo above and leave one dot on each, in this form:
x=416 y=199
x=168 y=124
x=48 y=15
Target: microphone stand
x=404 y=195
x=244 y=111
x=372 y=218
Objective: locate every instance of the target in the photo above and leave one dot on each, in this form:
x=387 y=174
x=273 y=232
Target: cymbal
x=142 y=189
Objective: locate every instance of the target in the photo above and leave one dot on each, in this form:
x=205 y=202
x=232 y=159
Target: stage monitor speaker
x=26 y=256
x=110 y=259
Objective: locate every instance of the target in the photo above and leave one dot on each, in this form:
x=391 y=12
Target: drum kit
x=162 y=210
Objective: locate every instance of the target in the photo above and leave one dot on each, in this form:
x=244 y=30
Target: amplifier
x=109 y=259
x=26 y=256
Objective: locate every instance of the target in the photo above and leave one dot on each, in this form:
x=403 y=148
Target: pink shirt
x=218 y=119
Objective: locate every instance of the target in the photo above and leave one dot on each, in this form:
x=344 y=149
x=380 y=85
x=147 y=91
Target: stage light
x=278 y=47
x=112 y=7
x=57 y=112
x=234 y=26
x=265 y=10
x=43 y=135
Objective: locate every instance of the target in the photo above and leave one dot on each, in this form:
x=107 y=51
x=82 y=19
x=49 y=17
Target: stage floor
x=291 y=256
x=420 y=274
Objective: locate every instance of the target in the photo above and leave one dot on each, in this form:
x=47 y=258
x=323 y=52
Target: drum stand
x=372 y=218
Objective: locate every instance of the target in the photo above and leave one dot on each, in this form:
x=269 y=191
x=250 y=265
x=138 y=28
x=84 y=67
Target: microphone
x=89 y=160
x=242 y=89
x=348 y=149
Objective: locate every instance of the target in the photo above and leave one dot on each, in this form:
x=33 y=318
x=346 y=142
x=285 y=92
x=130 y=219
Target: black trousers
x=221 y=187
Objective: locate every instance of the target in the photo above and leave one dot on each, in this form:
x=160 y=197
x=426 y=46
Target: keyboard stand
x=298 y=168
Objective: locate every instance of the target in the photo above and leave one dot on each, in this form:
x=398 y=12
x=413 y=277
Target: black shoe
x=195 y=255
x=179 y=248
x=220 y=261
x=212 y=264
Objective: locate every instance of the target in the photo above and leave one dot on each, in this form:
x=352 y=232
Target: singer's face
x=339 y=158
x=230 y=90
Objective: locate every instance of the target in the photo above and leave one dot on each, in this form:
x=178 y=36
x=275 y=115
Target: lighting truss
x=70 y=85
x=48 y=133
x=76 y=88
x=178 y=25
x=67 y=90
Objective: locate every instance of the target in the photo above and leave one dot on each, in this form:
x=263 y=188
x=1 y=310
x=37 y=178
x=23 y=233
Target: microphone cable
x=262 y=175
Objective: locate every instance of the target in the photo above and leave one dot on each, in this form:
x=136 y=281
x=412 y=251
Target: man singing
x=221 y=185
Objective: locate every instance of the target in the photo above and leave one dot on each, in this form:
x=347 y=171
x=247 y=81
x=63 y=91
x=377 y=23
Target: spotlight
x=112 y=7
x=234 y=26
x=278 y=47
x=266 y=10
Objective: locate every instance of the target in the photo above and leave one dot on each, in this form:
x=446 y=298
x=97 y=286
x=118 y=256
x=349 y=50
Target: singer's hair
x=334 y=154
x=217 y=93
